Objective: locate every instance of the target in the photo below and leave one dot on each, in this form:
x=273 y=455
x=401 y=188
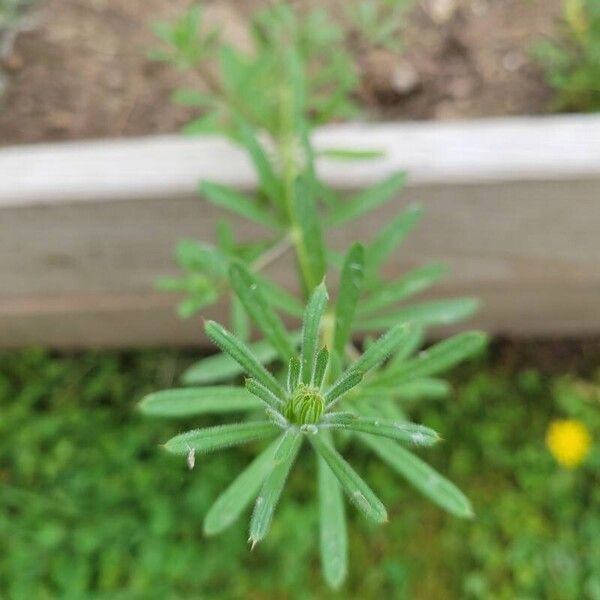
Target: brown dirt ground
x=84 y=72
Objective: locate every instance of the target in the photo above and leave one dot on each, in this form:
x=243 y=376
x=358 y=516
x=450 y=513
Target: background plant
x=267 y=100
x=12 y=20
x=572 y=62
x=90 y=509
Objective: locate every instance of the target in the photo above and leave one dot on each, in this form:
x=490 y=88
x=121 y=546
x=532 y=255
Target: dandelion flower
x=569 y=441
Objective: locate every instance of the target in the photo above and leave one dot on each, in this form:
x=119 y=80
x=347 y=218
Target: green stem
x=287 y=151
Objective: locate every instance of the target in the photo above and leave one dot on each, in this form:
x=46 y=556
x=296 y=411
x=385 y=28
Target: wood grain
x=512 y=206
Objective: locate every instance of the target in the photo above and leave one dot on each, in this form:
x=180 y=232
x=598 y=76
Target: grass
x=92 y=508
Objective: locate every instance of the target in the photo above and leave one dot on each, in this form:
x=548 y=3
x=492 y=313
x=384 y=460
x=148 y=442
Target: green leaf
x=390 y=237
x=221 y=366
x=269 y=181
x=349 y=290
x=262 y=393
x=436 y=312
x=193 y=256
x=350 y=155
x=209 y=123
x=190 y=306
x=310 y=331
x=333 y=532
x=419 y=389
x=220 y=436
x=270 y=493
x=410 y=284
x=197 y=401
x=280 y=298
x=436 y=359
x=232 y=502
x=345 y=382
x=287 y=444
x=240 y=323
x=309 y=235
x=250 y=294
x=243 y=356
x=293 y=374
x=413 y=341
x=379 y=350
x=428 y=481
x=401 y=431
x=191 y=97
x=368 y=200
x=240 y=204
x=320 y=367
x=357 y=489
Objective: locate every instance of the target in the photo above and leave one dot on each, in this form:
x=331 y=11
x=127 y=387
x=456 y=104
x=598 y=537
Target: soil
x=84 y=71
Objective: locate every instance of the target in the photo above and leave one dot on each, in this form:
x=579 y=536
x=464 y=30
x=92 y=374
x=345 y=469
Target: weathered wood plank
x=512 y=206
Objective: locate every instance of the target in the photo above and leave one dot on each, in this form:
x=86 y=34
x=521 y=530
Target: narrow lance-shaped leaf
x=238 y=203
x=428 y=481
x=228 y=507
x=242 y=355
x=347 y=380
x=222 y=367
x=287 y=444
x=310 y=331
x=339 y=417
x=379 y=350
x=401 y=431
x=197 y=401
x=270 y=493
x=357 y=489
x=349 y=290
x=239 y=319
x=193 y=256
x=280 y=298
x=369 y=199
x=320 y=367
x=410 y=284
x=268 y=179
x=309 y=235
x=350 y=155
x=436 y=312
x=221 y=436
x=418 y=389
x=250 y=294
x=293 y=374
x=258 y=390
x=332 y=526
x=413 y=341
x=434 y=360
x=389 y=238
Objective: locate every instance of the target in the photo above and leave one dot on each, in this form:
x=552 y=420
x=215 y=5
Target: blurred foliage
x=378 y=22
x=91 y=510
x=572 y=62
x=12 y=14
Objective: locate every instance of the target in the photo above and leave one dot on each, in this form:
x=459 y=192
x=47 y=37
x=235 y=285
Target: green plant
x=572 y=63
x=378 y=22
x=268 y=100
x=12 y=18
x=91 y=510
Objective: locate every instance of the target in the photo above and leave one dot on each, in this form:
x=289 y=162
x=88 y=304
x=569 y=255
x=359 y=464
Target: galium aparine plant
x=314 y=399
x=305 y=386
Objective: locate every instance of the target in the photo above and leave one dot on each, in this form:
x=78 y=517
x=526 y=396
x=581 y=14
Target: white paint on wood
x=519 y=149
x=511 y=205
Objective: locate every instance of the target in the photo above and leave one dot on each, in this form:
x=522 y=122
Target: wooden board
x=512 y=205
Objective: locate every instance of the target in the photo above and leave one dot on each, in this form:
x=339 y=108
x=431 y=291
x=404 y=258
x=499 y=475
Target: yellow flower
x=569 y=441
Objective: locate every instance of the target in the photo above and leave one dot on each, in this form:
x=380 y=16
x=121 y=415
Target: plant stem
x=286 y=144
x=273 y=253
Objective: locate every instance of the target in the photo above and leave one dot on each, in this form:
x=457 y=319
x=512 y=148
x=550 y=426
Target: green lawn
x=92 y=508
